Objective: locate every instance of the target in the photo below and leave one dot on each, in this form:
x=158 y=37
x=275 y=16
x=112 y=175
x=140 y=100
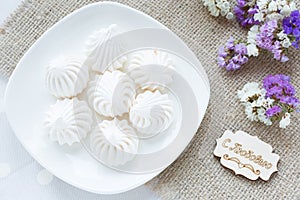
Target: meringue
x=151 y=69
x=68 y=121
x=111 y=94
x=102 y=48
x=119 y=64
x=151 y=113
x=114 y=142
x=66 y=77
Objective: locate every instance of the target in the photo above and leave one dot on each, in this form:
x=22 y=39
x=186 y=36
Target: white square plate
x=27 y=98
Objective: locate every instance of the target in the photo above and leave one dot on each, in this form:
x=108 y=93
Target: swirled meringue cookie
x=102 y=48
x=151 y=113
x=150 y=69
x=68 y=121
x=66 y=77
x=114 y=142
x=111 y=94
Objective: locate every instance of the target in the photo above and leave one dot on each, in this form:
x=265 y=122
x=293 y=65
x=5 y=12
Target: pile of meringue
x=114 y=100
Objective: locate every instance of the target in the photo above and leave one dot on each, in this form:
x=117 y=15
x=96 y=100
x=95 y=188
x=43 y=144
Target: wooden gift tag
x=246 y=155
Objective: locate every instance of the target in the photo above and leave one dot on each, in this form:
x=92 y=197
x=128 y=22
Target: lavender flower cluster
x=274 y=26
x=233 y=55
x=244 y=12
x=291 y=27
x=274 y=102
x=266 y=39
x=280 y=89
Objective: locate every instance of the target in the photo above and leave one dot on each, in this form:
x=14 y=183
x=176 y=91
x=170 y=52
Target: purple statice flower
x=291 y=101
x=244 y=13
x=291 y=24
x=273 y=111
x=230 y=43
x=279 y=88
x=266 y=35
x=295 y=43
x=266 y=40
x=241 y=49
x=271 y=80
x=291 y=27
x=278 y=52
x=233 y=55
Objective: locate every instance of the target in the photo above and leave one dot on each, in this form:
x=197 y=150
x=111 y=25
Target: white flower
x=261 y=114
x=217 y=7
x=273 y=9
x=281 y=35
x=274 y=16
x=208 y=2
x=268 y=102
x=286 y=11
x=256 y=108
x=249 y=112
x=285 y=121
x=292 y=6
x=252 y=33
x=212 y=8
x=259 y=102
x=214 y=11
x=226 y=5
x=223 y=12
x=222 y=8
x=280 y=3
x=256 y=113
x=263 y=92
x=249 y=90
x=252 y=50
x=259 y=16
x=262 y=4
x=272 y=6
x=286 y=43
x=230 y=15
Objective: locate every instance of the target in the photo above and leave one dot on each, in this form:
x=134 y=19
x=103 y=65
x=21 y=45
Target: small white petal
x=252 y=50
x=249 y=90
x=285 y=121
x=259 y=16
x=272 y=6
x=229 y=15
x=282 y=35
x=223 y=12
x=293 y=6
x=286 y=10
x=274 y=16
x=262 y=4
x=286 y=43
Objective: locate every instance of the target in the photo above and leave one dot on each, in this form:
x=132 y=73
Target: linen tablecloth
x=196 y=174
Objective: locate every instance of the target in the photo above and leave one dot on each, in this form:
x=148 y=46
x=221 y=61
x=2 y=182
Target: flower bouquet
x=274 y=102
x=273 y=26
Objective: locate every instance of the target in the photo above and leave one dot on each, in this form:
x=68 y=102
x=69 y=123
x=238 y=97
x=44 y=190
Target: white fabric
x=22 y=178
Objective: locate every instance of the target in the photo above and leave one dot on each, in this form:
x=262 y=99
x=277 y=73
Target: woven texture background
x=196 y=173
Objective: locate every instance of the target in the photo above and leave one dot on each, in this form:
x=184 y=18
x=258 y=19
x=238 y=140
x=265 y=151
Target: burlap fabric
x=197 y=174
